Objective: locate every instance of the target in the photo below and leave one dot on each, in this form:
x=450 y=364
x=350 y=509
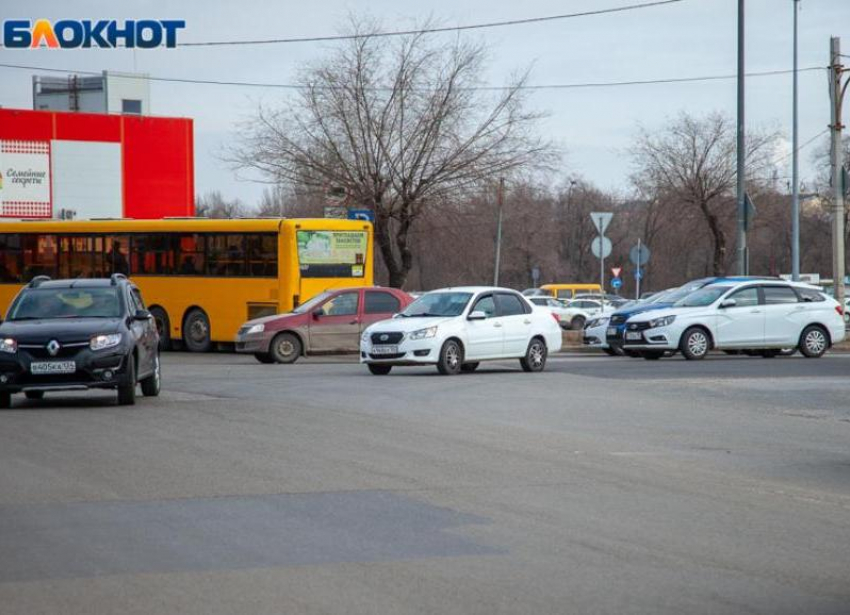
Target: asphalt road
x=600 y=486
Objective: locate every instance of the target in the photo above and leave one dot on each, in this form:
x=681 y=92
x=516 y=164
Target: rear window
x=510 y=305
x=810 y=295
x=779 y=294
x=381 y=303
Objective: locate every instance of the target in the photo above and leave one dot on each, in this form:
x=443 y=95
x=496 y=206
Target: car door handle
x=755 y=311
x=498 y=325
x=528 y=322
x=353 y=322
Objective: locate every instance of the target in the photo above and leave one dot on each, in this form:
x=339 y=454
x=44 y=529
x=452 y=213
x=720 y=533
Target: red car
x=329 y=323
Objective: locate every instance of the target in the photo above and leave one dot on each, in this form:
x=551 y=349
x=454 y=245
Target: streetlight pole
x=836 y=91
x=742 y=206
x=795 y=166
x=500 y=200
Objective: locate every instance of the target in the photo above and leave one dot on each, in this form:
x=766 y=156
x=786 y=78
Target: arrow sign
x=601 y=220
x=616 y=283
x=638 y=274
x=615 y=271
x=601 y=247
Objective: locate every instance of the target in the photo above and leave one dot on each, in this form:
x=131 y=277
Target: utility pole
x=836 y=96
x=637 y=277
x=795 y=166
x=500 y=196
x=743 y=257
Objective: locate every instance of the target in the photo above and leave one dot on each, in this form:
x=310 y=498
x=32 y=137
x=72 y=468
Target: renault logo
x=53 y=347
x=384 y=337
x=633 y=327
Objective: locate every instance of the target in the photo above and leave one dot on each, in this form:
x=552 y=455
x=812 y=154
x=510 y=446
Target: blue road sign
x=367 y=215
x=638 y=273
x=616 y=283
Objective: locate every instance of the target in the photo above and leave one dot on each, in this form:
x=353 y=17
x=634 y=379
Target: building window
x=131 y=106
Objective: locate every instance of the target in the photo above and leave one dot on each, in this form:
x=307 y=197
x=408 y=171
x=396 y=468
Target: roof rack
x=115 y=277
x=38 y=280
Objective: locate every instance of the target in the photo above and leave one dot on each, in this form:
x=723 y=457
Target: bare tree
x=214 y=205
x=400 y=124
x=693 y=161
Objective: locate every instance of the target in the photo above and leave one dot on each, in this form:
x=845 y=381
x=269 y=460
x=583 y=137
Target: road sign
x=601 y=247
x=638 y=273
x=601 y=220
x=367 y=215
x=615 y=271
x=616 y=283
x=639 y=255
x=535 y=276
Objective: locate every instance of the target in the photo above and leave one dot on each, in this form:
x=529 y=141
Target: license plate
x=53 y=367
x=634 y=335
x=612 y=331
x=384 y=349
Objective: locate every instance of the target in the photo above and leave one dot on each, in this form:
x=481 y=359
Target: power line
x=551 y=86
x=807 y=143
x=479 y=26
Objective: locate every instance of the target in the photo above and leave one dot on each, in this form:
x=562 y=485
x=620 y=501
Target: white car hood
x=408 y=324
x=656 y=314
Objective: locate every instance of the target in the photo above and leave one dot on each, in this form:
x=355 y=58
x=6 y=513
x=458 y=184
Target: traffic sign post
x=601 y=245
x=616 y=283
x=639 y=255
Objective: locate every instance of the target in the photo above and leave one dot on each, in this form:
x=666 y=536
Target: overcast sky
x=594 y=125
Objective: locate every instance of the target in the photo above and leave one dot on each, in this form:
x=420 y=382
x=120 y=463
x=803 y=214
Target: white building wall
x=87 y=179
x=131 y=86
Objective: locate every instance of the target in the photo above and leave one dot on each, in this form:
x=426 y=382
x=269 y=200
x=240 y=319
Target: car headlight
x=99 y=342
x=256 y=329
x=365 y=337
x=8 y=345
x=421 y=334
x=661 y=322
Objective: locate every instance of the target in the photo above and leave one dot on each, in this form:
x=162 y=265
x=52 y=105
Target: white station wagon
x=457 y=328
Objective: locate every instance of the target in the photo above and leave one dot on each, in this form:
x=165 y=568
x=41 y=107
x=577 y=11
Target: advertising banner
x=25 y=179
x=323 y=254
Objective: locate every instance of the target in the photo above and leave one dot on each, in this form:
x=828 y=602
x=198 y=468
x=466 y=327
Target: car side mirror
x=727 y=303
x=477 y=315
x=396 y=315
x=317 y=314
x=142 y=315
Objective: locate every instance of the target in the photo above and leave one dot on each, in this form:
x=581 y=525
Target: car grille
x=65 y=352
x=387 y=338
x=386 y=356
x=637 y=326
x=617 y=320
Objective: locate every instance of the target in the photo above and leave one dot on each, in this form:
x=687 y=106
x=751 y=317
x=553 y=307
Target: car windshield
x=308 y=306
x=702 y=297
x=679 y=293
x=38 y=303
x=438 y=304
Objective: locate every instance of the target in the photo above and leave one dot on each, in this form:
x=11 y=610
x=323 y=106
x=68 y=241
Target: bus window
x=226 y=255
x=262 y=255
x=10 y=258
x=39 y=255
x=117 y=250
x=153 y=254
x=191 y=255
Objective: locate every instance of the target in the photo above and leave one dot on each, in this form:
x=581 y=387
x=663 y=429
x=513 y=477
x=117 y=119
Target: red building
x=86 y=165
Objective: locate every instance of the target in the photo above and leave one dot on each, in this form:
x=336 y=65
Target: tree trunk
x=385 y=244
x=718 y=239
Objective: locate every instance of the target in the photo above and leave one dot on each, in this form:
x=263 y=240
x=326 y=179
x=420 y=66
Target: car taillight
x=556 y=317
x=840 y=310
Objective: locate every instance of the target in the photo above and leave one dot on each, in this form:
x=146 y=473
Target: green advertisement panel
x=332 y=254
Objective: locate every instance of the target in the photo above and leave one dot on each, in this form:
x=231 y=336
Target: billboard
x=25 y=185
x=323 y=254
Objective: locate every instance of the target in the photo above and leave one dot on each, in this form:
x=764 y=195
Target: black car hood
x=59 y=329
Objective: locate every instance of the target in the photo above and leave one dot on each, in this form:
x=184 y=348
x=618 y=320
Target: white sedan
x=555 y=306
x=595 y=335
x=756 y=316
x=457 y=328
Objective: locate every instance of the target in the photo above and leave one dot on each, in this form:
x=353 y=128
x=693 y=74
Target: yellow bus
x=568 y=291
x=201 y=278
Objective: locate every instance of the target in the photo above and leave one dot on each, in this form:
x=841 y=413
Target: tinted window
x=10 y=258
x=510 y=305
x=191 y=254
x=779 y=294
x=344 y=304
x=485 y=304
x=154 y=253
x=262 y=254
x=745 y=297
x=226 y=255
x=381 y=303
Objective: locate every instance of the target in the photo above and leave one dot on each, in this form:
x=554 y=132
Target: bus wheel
x=163 y=327
x=285 y=348
x=196 y=331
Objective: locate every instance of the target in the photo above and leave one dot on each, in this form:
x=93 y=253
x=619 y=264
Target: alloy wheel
x=697 y=343
x=815 y=341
